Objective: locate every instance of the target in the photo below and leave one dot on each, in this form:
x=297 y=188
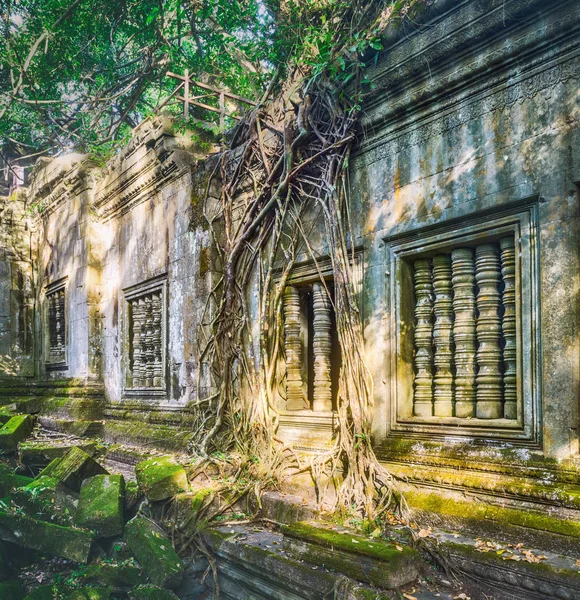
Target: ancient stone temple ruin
x=466 y=209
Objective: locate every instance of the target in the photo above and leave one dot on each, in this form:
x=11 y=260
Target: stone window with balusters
x=464 y=315
x=56 y=324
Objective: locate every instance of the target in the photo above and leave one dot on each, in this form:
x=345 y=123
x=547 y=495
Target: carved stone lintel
x=464 y=334
x=293 y=346
x=443 y=336
x=508 y=271
x=423 y=397
x=488 y=380
x=322 y=348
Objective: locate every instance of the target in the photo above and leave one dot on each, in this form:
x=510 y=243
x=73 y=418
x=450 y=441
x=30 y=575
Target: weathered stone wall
x=16 y=290
x=476 y=114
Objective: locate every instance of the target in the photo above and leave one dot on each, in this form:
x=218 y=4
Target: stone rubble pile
x=76 y=510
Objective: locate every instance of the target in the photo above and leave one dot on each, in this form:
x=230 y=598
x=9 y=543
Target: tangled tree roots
x=285 y=163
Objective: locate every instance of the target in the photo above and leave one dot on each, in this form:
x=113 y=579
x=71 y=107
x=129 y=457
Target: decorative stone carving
x=443 y=336
x=423 y=397
x=56 y=327
x=464 y=331
x=146 y=338
x=295 y=399
x=322 y=348
x=508 y=271
x=489 y=357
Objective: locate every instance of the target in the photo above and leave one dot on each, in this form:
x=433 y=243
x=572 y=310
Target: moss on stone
x=154 y=552
x=56 y=540
x=91 y=594
x=151 y=592
x=101 y=505
x=132 y=494
x=73 y=468
x=43 y=592
x=40 y=454
x=14 y=431
x=323 y=535
x=11 y=590
x=118 y=576
x=46 y=499
x=486 y=512
x=9 y=480
x=161 y=477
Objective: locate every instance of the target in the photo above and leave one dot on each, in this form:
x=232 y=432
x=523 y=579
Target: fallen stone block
x=16 y=430
x=73 y=468
x=12 y=590
x=46 y=499
x=9 y=480
x=29 y=406
x=117 y=576
x=380 y=563
x=186 y=508
x=154 y=552
x=151 y=592
x=56 y=540
x=5 y=569
x=40 y=454
x=161 y=477
x=43 y=592
x=133 y=494
x=101 y=505
x=91 y=594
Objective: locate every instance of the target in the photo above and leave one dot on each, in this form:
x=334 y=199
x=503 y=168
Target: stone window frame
x=520 y=220
x=307 y=429
x=56 y=286
x=158 y=283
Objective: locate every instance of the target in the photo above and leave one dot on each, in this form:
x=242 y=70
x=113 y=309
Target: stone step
x=76 y=427
x=38 y=454
x=147 y=435
x=73 y=408
x=253 y=563
x=519 y=489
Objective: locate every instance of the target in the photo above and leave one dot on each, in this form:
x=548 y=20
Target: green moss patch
x=101 y=505
x=154 y=552
x=43 y=592
x=151 y=592
x=73 y=468
x=14 y=431
x=40 y=454
x=11 y=590
x=91 y=594
x=9 y=480
x=161 y=477
x=47 y=499
x=118 y=576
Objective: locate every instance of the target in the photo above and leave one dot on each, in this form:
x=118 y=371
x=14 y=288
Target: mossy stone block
x=12 y=590
x=101 y=505
x=151 y=592
x=29 y=406
x=9 y=480
x=43 y=592
x=100 y=593
x=384 y=564
x=41 y=454
x=5 y=569
x=161 y=477
x=73 y=468
x=56 y=540
x=16 y=430
x=118 y=576
x=133 y=494
x=154 y=552
x=46 y=499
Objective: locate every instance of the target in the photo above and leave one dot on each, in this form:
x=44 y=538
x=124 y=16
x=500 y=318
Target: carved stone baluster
x=508 y=271
x=148 y=345
x=443 y=336
x=157 y=340
x=488 y=379
x=423 y=397
x=464 y=335
x=293 y=348
x=322 y=348
x=137 y=308
x=51 y=327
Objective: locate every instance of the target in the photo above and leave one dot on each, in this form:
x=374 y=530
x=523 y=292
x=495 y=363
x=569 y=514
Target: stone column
x=293 y=348
x=488 y=380
x=463 y=267
x=423 y=396
x=157 y=340
x=443 y=336
x=322 y=348
x=508 y=271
